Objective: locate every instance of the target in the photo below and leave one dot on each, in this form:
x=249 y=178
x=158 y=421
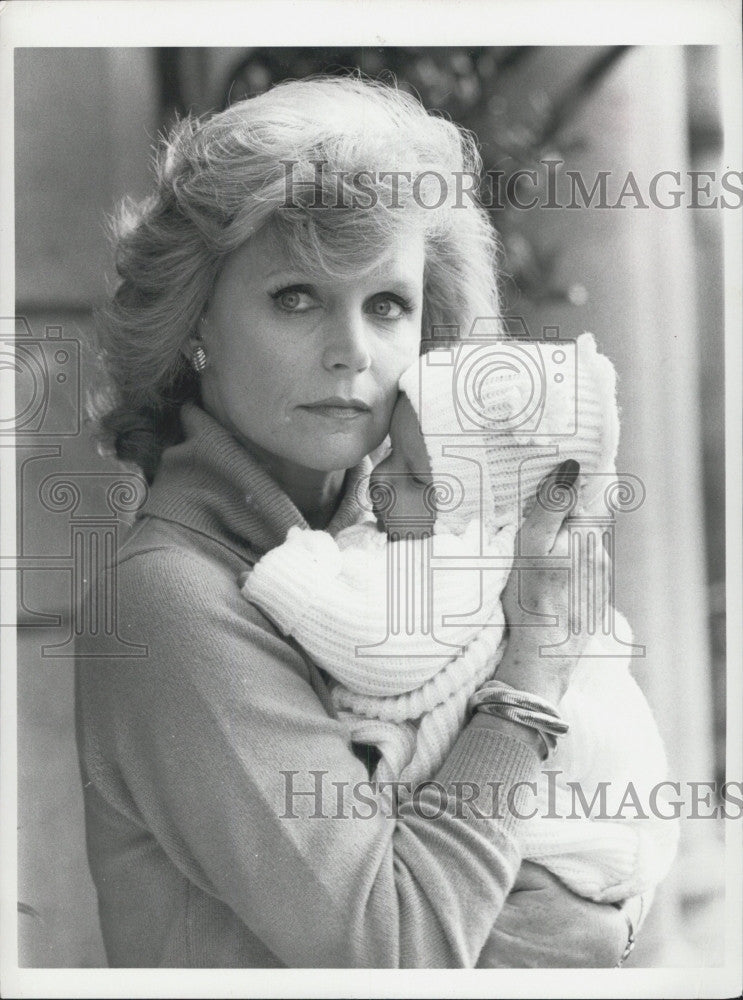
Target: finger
x=590 y=575
x=592 y=547
x=541 y=525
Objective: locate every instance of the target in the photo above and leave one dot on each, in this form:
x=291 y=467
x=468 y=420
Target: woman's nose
x=347 y=345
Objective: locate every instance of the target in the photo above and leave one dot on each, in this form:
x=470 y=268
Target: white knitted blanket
x=408 y=645
x=399 y=638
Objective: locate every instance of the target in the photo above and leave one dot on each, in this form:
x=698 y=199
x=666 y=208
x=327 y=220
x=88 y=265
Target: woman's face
x=304 y=367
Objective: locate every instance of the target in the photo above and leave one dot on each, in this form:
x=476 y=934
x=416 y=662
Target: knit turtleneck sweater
x=210 y=483
x=229 y=823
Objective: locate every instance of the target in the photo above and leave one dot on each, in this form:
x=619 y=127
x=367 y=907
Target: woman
x=272 y=292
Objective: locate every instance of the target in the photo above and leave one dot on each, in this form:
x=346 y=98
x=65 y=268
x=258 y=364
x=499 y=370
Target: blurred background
x=646 y=281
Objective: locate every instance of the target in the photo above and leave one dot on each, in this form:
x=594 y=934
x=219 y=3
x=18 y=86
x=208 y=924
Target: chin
x=335 y=461
x=332 y=457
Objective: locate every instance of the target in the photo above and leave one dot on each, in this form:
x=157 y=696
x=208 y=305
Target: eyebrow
x=404 y=285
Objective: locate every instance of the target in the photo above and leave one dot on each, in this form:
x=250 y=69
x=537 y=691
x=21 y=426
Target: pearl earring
x=199 y=359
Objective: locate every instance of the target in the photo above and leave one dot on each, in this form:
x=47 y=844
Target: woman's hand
x=544 y=925
x=557 y=594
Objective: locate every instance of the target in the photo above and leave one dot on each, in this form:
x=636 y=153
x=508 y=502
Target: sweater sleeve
x=229 y=759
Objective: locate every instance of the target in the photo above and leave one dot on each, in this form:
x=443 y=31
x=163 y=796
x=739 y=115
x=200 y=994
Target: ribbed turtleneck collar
x=210 y=483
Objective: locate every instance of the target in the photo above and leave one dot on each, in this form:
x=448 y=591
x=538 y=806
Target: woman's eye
x=292 y=299
x=389 y=308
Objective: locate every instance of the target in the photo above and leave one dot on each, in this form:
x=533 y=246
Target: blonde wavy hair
x=220 y=179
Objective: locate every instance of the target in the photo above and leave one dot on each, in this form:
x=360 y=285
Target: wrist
x=541 y=679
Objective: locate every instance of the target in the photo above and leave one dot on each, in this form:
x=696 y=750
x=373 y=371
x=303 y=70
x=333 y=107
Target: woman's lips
x=339 y=409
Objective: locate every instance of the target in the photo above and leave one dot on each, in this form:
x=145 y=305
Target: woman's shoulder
x=167 y=545
x=177 y=596
x=166 y=572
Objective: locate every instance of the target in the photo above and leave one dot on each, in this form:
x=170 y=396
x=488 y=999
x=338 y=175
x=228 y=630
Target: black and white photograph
x=371 y=499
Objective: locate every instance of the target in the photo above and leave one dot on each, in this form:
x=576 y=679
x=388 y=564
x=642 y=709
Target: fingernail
x=567 y=473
